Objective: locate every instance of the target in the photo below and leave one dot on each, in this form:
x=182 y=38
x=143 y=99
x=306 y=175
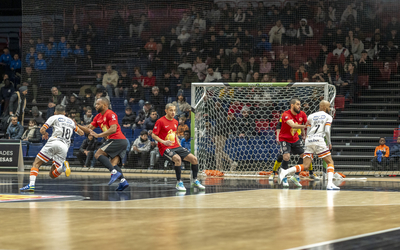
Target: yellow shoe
x=67 y=168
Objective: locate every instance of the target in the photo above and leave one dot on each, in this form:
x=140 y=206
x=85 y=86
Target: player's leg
x=325 y=154
x=285 y=150
x=177 y=160
x=123 y=183
x=102 y=157
x=277 y=164
x=60 y=164
x=195 y=169
x=33 y=174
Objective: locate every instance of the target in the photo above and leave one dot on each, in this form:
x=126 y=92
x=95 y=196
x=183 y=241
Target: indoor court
x=247 y=213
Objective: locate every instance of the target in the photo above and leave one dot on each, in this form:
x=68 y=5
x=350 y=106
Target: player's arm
x=294 y=125
x=45 y=126
x=79 y=131
x=86 y=129
x=278 y=129
x=110 y=131
x=328 y=134
x=158 y=139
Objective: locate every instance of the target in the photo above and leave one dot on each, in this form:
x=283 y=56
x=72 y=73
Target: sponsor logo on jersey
x=113 y=117
x=301 y=119
x=175 y=125
x=155 y=127
x=286 y=117
x=69 y=121
x=61 y=119
x=104 y=119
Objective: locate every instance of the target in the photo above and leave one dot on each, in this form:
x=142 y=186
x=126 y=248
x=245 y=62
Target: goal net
x=235 y=123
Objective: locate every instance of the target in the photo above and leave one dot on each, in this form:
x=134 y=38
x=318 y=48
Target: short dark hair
x=187 y=131
x=88 y=108
x=143 y=132
x=60 y=108
x=294 y=100
x=152 y=110
x=14 y=116
x=33 y=120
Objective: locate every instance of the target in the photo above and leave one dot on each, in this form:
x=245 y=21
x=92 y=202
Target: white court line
x=344 y=239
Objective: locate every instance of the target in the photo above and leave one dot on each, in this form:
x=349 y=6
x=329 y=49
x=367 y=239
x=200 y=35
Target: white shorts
x=319 y=149
x=55 y=150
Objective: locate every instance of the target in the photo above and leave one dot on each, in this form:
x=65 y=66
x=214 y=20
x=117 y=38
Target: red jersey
x=289 y=134
x=166 y=130
x=105 y=121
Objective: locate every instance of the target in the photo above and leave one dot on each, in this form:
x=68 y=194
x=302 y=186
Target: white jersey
x=63 y=127
x=319 y=127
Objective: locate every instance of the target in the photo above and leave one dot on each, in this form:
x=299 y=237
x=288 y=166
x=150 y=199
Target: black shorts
x=296 y=148
x=181 y=151
x=115 y=147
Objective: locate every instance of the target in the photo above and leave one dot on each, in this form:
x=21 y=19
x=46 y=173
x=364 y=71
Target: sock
x=297 y=169
x=330 y=169
x=285 y=164
x=277 y=164
x=106 y=162
x=178 y=173
x=57 y=172
x=119 y=170
x=32 y=177
x=195 y=170
x=310 y=169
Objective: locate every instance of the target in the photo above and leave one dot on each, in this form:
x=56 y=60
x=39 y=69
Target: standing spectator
x=291 y=35
x=140 y=150
x=15 y=65
x=323 y=55
x=86 y=151
x=365 y=65
x=214 y=15
x=89 y=55
x=189 y=79
x=350 y=86
x=151 y=120
x=143 y=114
x=157 y=99
x=199 y=67
x=304 y=32
x=381 y=154
x=150 y=80
x=186 y=141
x=88 y=116
x=185 y=24
x=129 y=119
x=75 y=35
x=320 y=15
x=286 y=72
x=17 y=104
x=56 y=98
x=176 y=82
x=6 y=93
x=212 y=76
x=15 y=130
x=32 y=134
x=395 y=155
x=135 y=95
x=136 y=30
x=275 y=34
x=165 y=85
x=110 y=81
x=182 y=127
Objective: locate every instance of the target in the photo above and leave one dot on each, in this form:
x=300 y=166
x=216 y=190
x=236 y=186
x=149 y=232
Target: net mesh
x=235 y=127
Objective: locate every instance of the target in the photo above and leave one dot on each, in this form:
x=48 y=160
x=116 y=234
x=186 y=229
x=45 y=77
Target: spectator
x=189 y=78
x=246 y=123
x=165 y=85
x=212 y=76
x=182 y=127
x=6 y=93
x=50 y=53
x=301 y=74
x=75 y=115
x=349 y=86
x=183 y=37
x=178 y=58
x=75 y=35
x=135 y=95
x=311 y=66
x=357 y=47
x=347 y=12
x=143 y=114
x=40 y=47
x=286 y=72
x=88 y=116
x=151 y=45
x=199 y=67
x=185 y=24
x=5 y=59
x=324 y=76
x=233 y=55
x=86 y=151
x=395 y=155
x=67 y=53
x=88 y=100
x=365 y=65
x=239 y=16
x=265 y=66
x=40 y=63
x=62 y=44
x=304 y=32
x=32 y=134
x=323 y=56
x=340 y=37
x=150 y=121
x=394 y=37
x=110 y=81
x=393 y=25
x=129 y=119
x=37 y=116
x=350 y=59
x=339 y=54
x=265 y=78
x=17 y=104
x=389 y=52
x=14 y=130
x=136 y=30
x=184 y=65
x=150 y=80
x=101 y=92
x=89 y=55
x=290 y=37
x=332 y=14
x=32 y=54
x=288 y=18
x=138 y=76
x=73 y=103
x=176 y=81
x=157 y=99
x=275 y=34
x=140 y=150
x=186 y=140
x=56 y=98
x=200 y=23
x=239 y=69
x=320 y=15
x=226 y=76
x=124 y=83
x=15 y=65
x=381 y=154
x=255 y=77
x=264 y=45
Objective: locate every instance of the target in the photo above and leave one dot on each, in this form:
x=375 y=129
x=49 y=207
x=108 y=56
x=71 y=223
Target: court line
x=344 y=239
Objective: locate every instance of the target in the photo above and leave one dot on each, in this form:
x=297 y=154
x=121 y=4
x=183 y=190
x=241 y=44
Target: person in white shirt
x=347 y=12
x=275 y=34
x=212 y=76
x=184 y=36
x=340 y=50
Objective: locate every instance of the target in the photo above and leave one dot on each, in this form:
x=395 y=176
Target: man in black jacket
x=56 y=98
x=286 y=72
x=143 y=114
x=129 y=118
x=17 y=104
x=157 y=99
x=86 y=151
x=135 y=94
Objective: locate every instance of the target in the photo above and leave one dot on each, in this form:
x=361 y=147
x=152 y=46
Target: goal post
x=233 y=125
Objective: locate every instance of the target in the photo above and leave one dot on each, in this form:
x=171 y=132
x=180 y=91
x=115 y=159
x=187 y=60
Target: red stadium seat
x=385 y=75
x=363 y=81
x=339 y=102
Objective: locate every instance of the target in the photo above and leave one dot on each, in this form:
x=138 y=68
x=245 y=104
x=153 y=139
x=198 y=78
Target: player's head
x=170 y=110
x=60 y=110
x=102 y=104
x=295 y=105
x=325 y=106
x=382 y=141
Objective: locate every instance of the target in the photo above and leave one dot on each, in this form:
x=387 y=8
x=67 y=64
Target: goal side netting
x=234 y=124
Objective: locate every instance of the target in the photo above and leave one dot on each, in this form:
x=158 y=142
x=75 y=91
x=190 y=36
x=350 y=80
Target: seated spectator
x=138 y=76
x=393 y=25
x=199 y=67
x=87 y=100
x=265 y=66
x=349 y=87
x=388 y=53
x=350 y=59
x=75 y=35
x=320 y=15
x=17 y=103
x=347 y=12
x=338 y=55
x=135 y=95
x=32 y=54
x=101 y=92
x=15 y=65
x=290 y=37
x=50 y=53
x=140 y=150
x=144 y=113
x=14 y=130
x=186 y=140
x=199 y=23
x=265 y=78
x=86 y=151
x=340 y=37
x=233 y=55
x=5 y=94
x=185 y=24
x=365 y=65
x=151 y=45
x=32 y=134
x=136 y=29
x=239 y=69
x=275 y=34
x=73 y=103
x=157 y=99
x=193 y=54
x=88 y=116
x=151 y=120
x=381 y=155
x=394 y=36
x=184 y=65
x=75 y=115
x=255 y=77
x=239 y=16
x=62 y=44
x=5 y=60
x=301 y=74
x=395 y=155
x=150 y=80
x=189 y=78
x=165 y=86
x=40 y=47
x=264 y=45
x=182 y=127
x=214 y=15
x=37 y=116
x=212 y=76
x=324 y=76
x=124 y=82
x=286 y=72
x=40 y=63
x=110 y=81
x=176 y=81
x=332 y=14
x=183 y=37
x=357 y=47
x=129 y=119
x=304 y=32
x=56 y=98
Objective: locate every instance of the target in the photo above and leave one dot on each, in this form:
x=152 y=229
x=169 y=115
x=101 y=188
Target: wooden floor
x=256 y=219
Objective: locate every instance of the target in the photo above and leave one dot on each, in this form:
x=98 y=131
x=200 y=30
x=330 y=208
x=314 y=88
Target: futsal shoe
x=271 y=177
x=114 y=177
x=285 y=182
x=122 y=186
x=282 y=175
x=67 y=169
x=295 y=181
x=314 y=177
x=28 y=188
x=198 y=185
x=332 y=186
x=180 y=187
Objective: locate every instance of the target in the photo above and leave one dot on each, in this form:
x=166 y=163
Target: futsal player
x=115 y=145
x=289 y=138
x=319 y=128
x=56 y=147
x=164 y=133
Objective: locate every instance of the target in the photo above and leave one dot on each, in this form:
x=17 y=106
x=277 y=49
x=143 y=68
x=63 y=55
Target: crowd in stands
x=321 y=41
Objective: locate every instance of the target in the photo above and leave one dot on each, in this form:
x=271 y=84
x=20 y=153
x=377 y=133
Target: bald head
x=325 y=106
x=102 y=105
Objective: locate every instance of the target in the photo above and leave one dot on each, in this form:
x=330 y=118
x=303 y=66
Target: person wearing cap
x=304 y=31
x=129 y=118
x=140 y=150
x=17 y=104
x=143 y=114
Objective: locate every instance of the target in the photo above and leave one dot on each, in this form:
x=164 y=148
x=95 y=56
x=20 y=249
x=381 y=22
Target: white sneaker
x=295 y=180
x=282 y=174
x=197 y=184
x=180 y=187
x=234 y=166
x=332 y=186
x=271 y=177
x=285 y=182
